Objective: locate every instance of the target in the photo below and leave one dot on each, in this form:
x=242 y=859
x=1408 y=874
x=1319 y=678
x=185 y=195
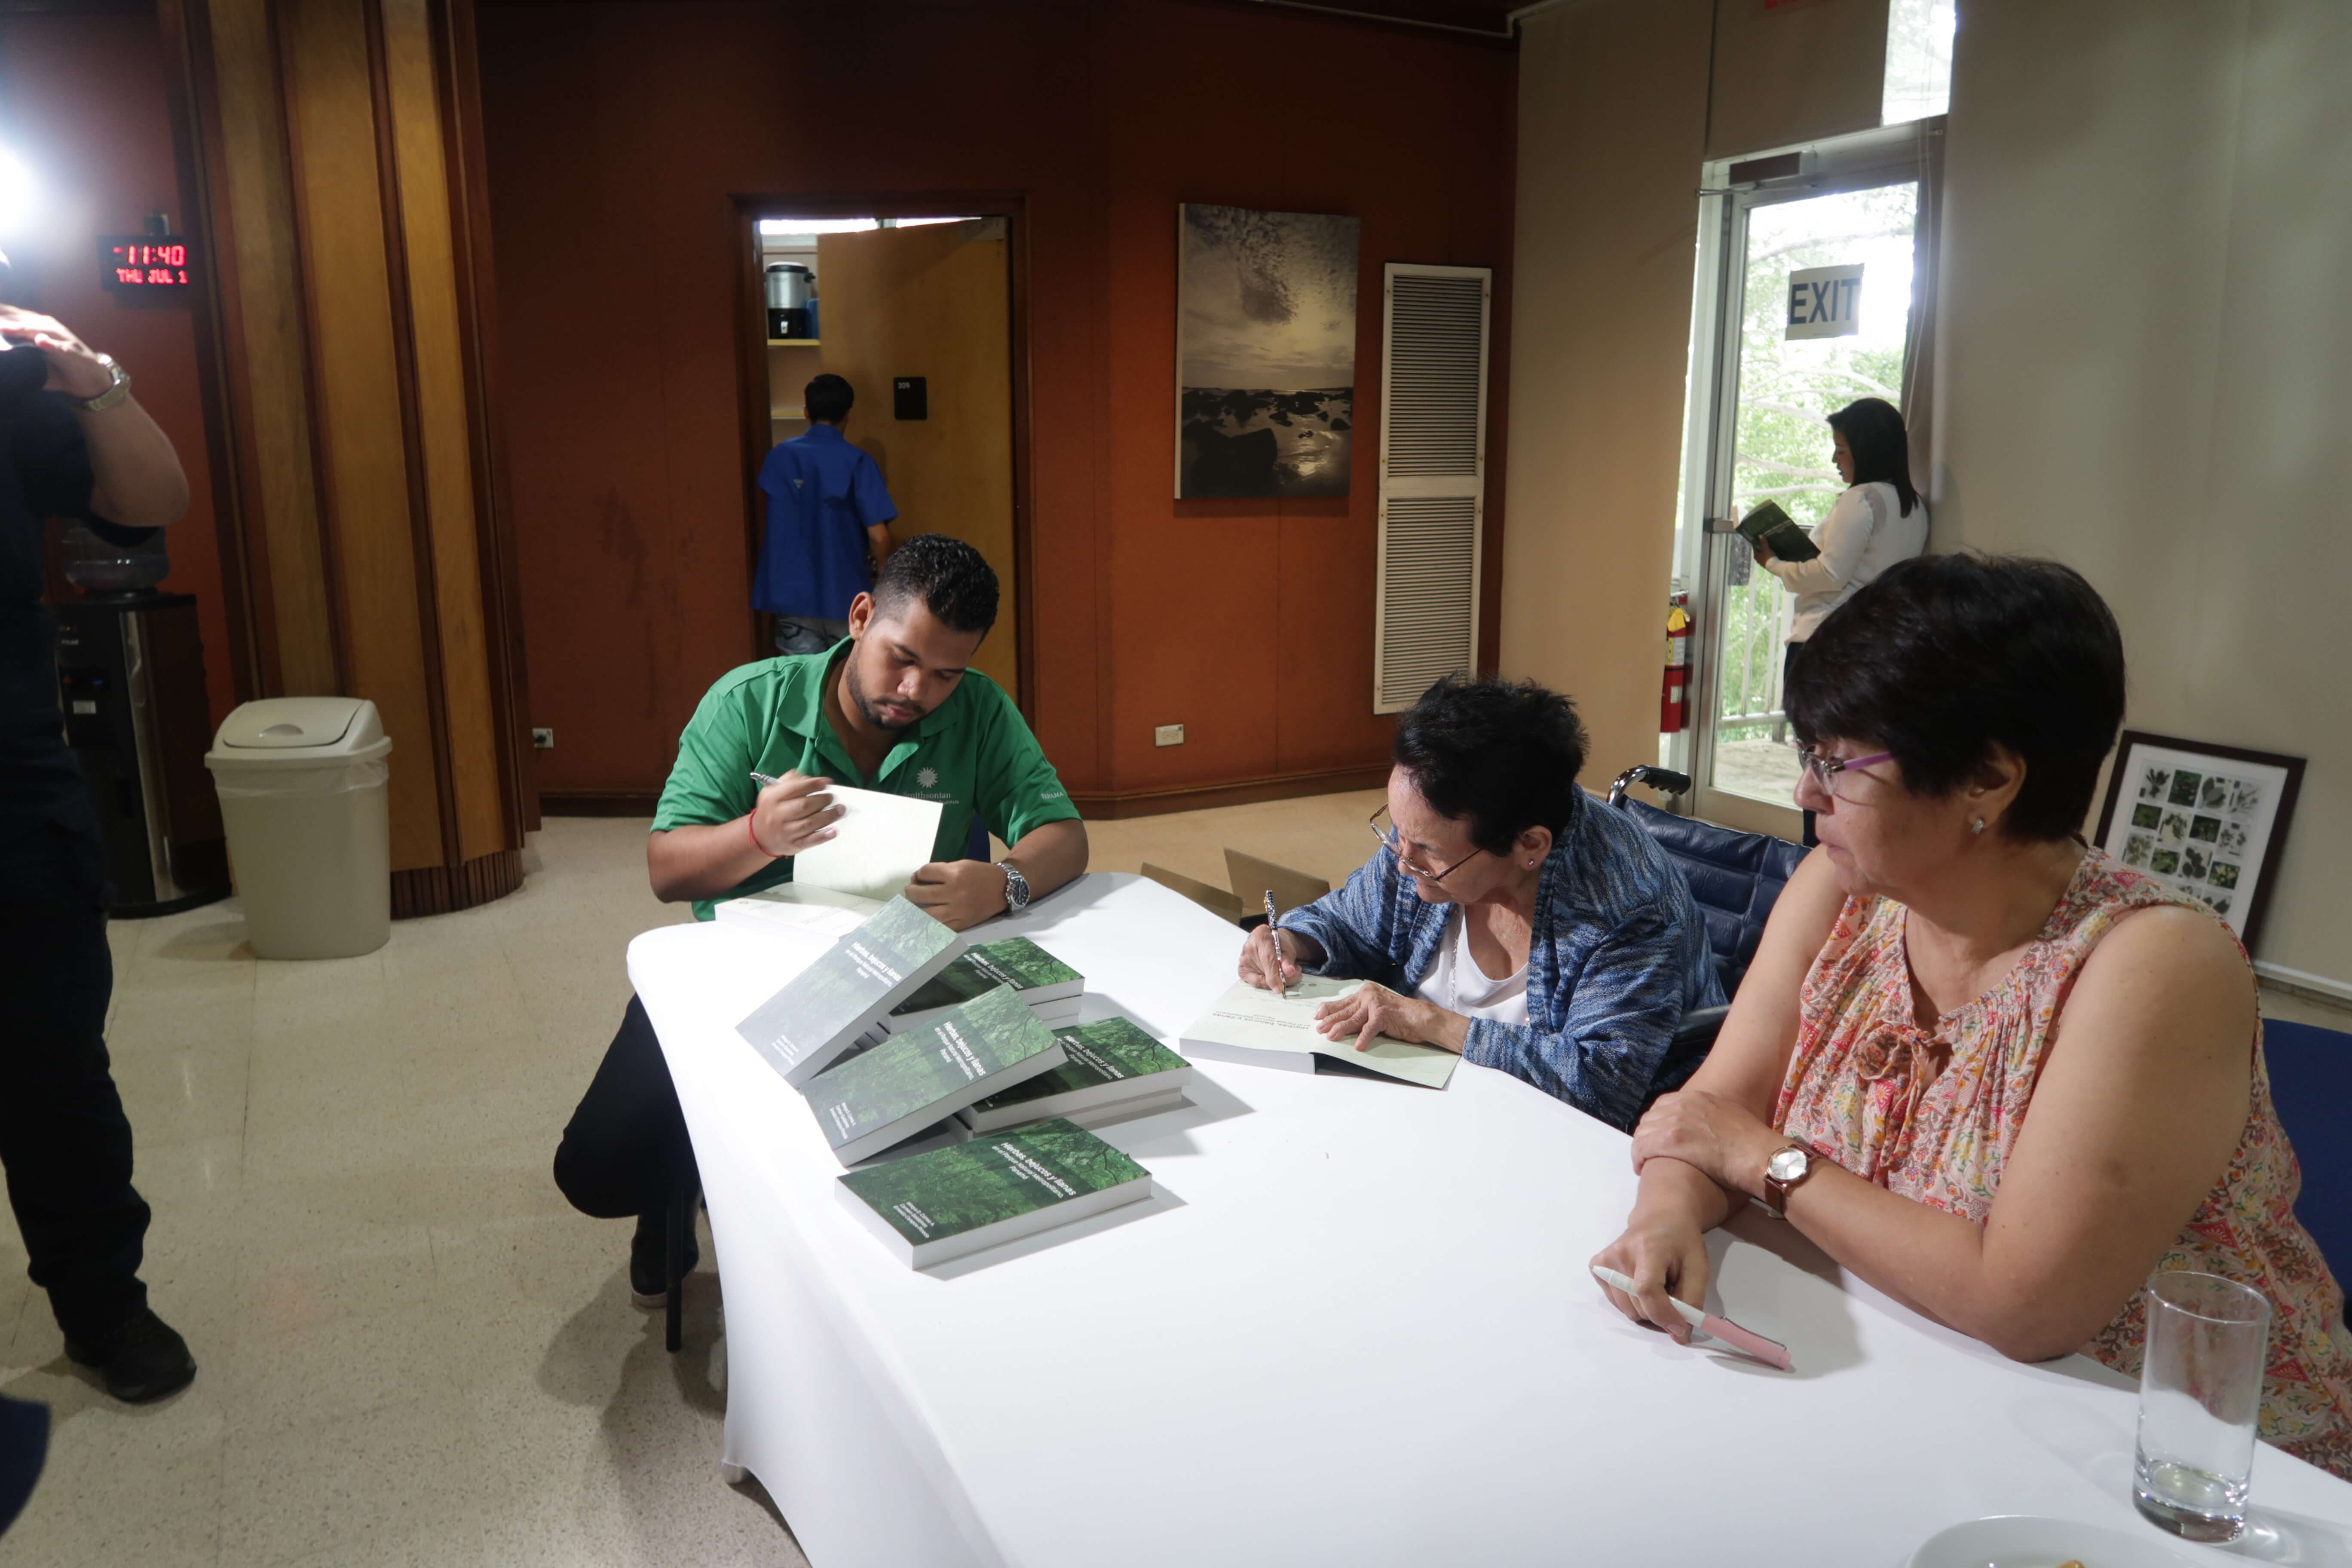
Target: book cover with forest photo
x=1035 y=974
x=823 y=1010
x=936 y=1205
x=914 y=1078
x=1110 y=1059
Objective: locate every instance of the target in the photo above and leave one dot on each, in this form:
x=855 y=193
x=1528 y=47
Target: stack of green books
x=1051 y=989
x=806 y=1026
x=931 y=1208
x=918 y=1077
x=1115 y=1070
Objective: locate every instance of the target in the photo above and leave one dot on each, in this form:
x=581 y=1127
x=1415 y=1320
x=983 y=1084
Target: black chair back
x=2310 y=1084
x=1735 y=877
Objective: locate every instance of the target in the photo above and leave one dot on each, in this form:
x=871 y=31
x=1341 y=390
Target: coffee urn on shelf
x=130 y=677
x=789 y=285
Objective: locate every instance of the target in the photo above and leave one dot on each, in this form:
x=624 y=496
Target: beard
x=867 y=708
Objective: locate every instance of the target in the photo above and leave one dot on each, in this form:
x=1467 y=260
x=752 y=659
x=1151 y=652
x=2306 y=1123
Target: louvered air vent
x=1433 y=479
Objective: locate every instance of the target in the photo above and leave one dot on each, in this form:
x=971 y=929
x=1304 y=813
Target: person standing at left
x=73 y=443
x=828 y=529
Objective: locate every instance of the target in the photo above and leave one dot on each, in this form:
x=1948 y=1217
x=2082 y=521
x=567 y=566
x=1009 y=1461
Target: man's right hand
x=795 y=814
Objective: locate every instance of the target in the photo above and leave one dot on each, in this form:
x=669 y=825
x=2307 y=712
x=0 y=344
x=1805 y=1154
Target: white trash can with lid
x=303 y=785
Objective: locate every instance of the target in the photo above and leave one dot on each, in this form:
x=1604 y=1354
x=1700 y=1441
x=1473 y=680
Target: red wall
x=81 y=103
x=617 y=133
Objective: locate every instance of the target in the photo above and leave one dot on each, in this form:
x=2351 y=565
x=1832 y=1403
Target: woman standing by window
x=1879 y=520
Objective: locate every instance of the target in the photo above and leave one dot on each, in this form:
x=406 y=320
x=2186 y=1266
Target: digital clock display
x=144 y=262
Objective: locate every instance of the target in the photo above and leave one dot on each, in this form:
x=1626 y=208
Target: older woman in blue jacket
x=1508 y=916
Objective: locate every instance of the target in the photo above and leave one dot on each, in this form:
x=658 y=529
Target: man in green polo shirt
x=897 y=708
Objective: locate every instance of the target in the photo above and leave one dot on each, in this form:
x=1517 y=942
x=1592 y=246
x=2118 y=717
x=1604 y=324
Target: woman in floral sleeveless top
x=2025 y=1077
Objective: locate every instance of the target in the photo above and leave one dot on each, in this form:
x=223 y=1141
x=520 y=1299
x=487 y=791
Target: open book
x=1265 y=1029
x=1777 y=531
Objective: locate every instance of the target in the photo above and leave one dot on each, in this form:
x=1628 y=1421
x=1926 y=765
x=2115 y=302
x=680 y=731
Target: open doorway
x=1763 y=382
x=914 y=306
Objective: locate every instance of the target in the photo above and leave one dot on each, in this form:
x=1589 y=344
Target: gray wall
x=2146 y=368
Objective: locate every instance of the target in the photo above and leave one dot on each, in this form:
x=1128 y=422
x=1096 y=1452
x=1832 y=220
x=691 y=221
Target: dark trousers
x=1787 y=668
x=64 y=1140
x=625 y=1150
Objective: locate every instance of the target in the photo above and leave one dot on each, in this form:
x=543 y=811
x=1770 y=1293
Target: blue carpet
x=2311 y=1081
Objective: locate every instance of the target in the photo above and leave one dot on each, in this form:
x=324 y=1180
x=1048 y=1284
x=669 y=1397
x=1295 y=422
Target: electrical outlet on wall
x=1167 y=735
x=543 y=739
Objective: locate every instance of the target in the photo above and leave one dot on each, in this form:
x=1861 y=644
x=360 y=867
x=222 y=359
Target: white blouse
x=1863 y=535
x=1457 y=985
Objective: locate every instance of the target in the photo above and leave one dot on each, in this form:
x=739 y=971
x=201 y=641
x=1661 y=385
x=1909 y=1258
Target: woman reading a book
x=1980 y=1064
x=1506 y=916
x=1878 y=521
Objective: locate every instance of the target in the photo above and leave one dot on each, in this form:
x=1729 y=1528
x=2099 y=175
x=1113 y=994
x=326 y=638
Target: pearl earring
x=1976 y=828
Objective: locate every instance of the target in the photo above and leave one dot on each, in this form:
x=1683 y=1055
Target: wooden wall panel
x=268 y=352
x=616 y=142
x=357 y=381
x=332 y=159
x=438 y=365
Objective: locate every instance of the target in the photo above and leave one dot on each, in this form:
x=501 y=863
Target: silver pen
x=1274 y=934
x=763 y=780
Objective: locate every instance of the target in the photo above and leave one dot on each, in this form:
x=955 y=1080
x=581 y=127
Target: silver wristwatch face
x=1787 y=1165
x=1016 y=887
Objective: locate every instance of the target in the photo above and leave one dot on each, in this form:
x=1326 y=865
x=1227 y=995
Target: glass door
x=1814 y=309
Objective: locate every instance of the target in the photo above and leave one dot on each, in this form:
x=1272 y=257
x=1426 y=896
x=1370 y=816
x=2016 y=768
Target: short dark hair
x=954 y=582
x=1502 y=754
x=1874 y=432
x=1942 y=658
x=827 y=398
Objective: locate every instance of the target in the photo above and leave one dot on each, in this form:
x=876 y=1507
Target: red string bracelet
x=754 y=836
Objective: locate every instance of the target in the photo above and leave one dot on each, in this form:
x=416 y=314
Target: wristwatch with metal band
x=1782 y=1172
x=116 y=389
x=1016 y=887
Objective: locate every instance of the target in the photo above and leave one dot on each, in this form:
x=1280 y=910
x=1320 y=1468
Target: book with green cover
x=893 y=1090
x=1112 y=1063
x=1036 y=976
x=1777 y=531
x=930 y=1208
x=822 y=1011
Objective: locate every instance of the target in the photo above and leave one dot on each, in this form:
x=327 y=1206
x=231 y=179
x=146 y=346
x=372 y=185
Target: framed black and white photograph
x=1265 y=352
x=2205 y=820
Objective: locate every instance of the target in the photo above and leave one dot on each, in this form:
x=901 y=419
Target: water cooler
x=130 y=673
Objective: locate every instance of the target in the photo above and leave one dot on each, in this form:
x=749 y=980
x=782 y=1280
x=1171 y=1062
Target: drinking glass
x=2201 y=1388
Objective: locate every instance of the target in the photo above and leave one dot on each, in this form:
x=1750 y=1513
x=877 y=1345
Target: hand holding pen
x=791 y=814
x=1269 y=961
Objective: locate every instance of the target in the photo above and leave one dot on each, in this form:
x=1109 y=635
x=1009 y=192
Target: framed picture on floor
x=2205 y=820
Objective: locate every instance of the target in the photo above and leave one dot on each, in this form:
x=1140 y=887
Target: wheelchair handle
x=1666 y=781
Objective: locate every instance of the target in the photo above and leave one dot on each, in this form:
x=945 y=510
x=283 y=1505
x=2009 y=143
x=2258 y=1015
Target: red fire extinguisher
x=1674 y=706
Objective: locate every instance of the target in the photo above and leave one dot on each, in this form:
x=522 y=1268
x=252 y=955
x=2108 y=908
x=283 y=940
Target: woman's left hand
x=1763 y=552
x=1721 y=1138
x=1371 y=1010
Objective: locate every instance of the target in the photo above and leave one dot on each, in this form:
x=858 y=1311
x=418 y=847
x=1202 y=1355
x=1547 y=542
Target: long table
x=1354 y=1326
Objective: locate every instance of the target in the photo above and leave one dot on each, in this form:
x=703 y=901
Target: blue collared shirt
x=823 y=495
x=1618 y=953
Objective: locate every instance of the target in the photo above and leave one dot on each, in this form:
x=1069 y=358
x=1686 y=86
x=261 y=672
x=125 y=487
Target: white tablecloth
x=1355 y=1327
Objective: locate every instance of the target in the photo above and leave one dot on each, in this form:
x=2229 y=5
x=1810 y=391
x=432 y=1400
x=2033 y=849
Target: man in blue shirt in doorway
x=828 y=526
